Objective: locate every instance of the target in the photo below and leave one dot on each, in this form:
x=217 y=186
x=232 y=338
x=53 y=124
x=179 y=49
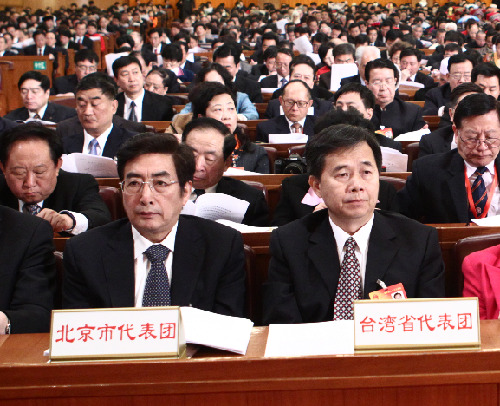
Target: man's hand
x=3 y=323
x=405 y=74
x=59 y=222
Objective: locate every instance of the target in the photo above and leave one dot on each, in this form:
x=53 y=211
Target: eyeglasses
x=282 y=63
x=85 y=68
x=134 y=186
x=471 y=142
x=458 y=76
x=381 y=83
x=300 y=104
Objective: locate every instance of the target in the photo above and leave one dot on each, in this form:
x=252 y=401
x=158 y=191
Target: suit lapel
x=118 y=266
x=456 y=188
x=382 y=248
x=121 y=104
x=323 y=253
x=189 y=250
x=50 y=110
x=73 y=143
x=112 y=143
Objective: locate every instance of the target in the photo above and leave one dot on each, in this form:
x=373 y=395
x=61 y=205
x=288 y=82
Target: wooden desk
x=442 y=378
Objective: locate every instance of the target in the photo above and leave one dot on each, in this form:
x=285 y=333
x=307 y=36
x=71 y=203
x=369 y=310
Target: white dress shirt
x=142 y=264
x=488 y=180
x=290 y=123
x=87 y=138
x=138 y=106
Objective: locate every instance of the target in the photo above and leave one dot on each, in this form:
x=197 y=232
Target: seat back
x=112 y=196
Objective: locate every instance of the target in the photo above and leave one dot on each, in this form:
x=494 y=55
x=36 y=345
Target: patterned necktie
x=40 y=52
x=198 y=193
x=283 y=82
x=157 y=289
x=33 y=209
x=297 y=128
x=132 y=116
x=37 y=116
x=156 y=51
x=479 y=193
x=93 y=145
x=349 y=286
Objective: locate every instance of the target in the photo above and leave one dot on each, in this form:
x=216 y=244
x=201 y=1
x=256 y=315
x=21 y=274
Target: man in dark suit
x=487 y=76
x=156 y=257
x=155 y=45
x=35 y=91
x=28 y=273
x=410 y=61
x=229 y=57
x=213 y=145
x=390 y=111
x=461 y=184
x=4 y=51
x=81 y=40
x=86 y=61
x=96 y=105
x=40 y=47
x=283 y=58
x=135 y=103
x=33 y=182
x=443 y=139
x=295 y=101
x=311 y=277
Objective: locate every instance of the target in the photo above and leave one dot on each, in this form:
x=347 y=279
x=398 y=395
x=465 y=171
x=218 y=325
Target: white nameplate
x=89 y=334
x=416 y=324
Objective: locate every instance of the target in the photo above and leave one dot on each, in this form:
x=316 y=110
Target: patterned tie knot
x=157 y=253
x=33 y=209
x=283 y=82
x=132 y=104
x=350 y=243
x=481 y=170
x=296 y=127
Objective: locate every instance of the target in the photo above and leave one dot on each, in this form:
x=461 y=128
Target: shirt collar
x=361 y=236
x=101 y=139
x=301 y=122
x=137 y=101
x=141 y=243
x=472 y=169
x=41 y=112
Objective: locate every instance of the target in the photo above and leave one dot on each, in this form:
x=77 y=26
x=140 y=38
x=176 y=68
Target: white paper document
x=493 y=221
x=393 y=160
x=215 y=206
x=243 y=228
x=292 y=138
x=271 y=90
x=340 y=71
x=412 y=135
x=215 y=330
x=411 y=84
x=238 y=172
x=303 y=45
x=280 y=25
x=98 y=166
x=297 y=340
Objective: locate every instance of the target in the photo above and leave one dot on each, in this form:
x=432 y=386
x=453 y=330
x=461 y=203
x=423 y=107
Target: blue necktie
x=283 y=82
x=479 y=193
x=157 y=289
x=33 y=209
x=93 y=145
x=132 y=116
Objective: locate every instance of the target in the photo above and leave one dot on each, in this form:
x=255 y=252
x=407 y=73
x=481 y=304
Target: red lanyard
x=490 y=195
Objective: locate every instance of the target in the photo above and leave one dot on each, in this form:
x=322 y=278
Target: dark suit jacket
x=154 y=107
x=436 y=142
x=250 y=87
x=435 y=98
x=194 y=67
x=54 y=112
x=305 y=267
x=435 y=191
x=10 y=53
x=270 y=81
x=27 y=271
x=426 y=80
x=320 y=107
x=399 y=115
x=279 y=125
x=254 y=159
x=31 y=51
x=6 y=124
x=99 y=268
x=73 y=126
x=257 y=213
x=65 y=84
x=74 y=142
x=75 y=192
x=86 y=43
x=294 y=188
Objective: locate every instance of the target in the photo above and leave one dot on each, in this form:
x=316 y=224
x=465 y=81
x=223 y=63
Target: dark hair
x=38 y=32
x=286 y=51
x=123 y=61
x=27 y=132
x=474 y=105
x=207 y=123
x=454 y=36
x=467 y=87
x=163 y=74
x=398 y=46
x=452 y=47
x=302 y=60
x=365 y=94
x=339 y=116
x=226 y=76
x=201 y=95
x=270 y=36
x=411 y=52
x=227 y=50
x=171 y=52
x=270 y=52
x=361 y=39
x=320 y=37
x=335 y=138
x=86 y=55
x=393 y=35
x=485 y=69
x=323 y=50
x=151 y=143
x=343 y=49
x=380 y=64
x=35 y=75
x=125 y=39
x=302 y=83
x=98 y=80
x=459 y=58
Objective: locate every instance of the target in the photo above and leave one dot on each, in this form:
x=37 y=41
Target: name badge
x=93 y=334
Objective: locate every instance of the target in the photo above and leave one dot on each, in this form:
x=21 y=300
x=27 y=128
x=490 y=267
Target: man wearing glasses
x=390 y=111
x=155 y=257
x=295 y=101
x=462 y=184
x=86 y=61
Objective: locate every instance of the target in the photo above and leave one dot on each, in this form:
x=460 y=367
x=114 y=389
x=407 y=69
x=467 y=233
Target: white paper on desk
x=340 y=71
x=268 y=90
x=280 y=25
x=35 y=120
x=216 y=206
x=243 y=228
x=393 y=160
x=98 y=166
x=238 y=172
x=292 y=138
x=315 y=57
x=411 y=84
x=413 y=135
x=296 y=340
x=215 y=330
x=303 y=45
x=493 y=221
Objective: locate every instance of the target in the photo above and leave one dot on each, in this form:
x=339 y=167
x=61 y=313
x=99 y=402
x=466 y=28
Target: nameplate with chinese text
x=414 y=324
x=92 y=334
